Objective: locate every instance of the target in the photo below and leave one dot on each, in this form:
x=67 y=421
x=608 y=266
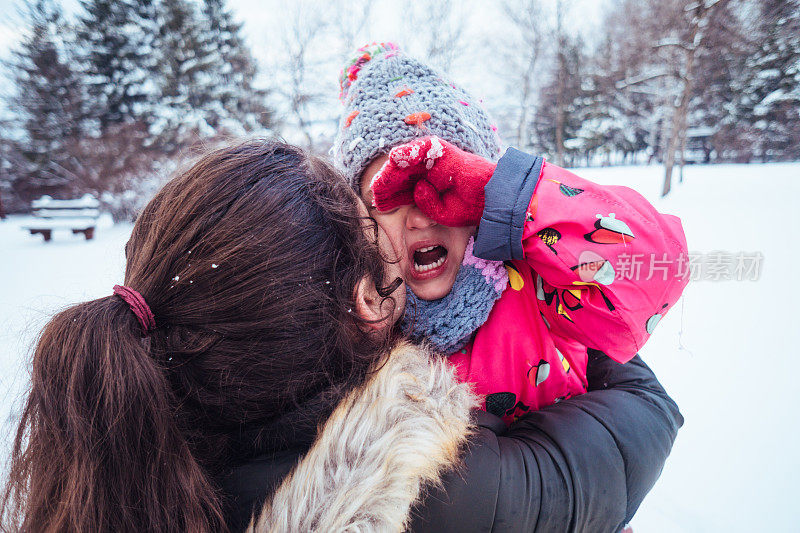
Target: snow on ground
x=727 y=353
x=38 y=279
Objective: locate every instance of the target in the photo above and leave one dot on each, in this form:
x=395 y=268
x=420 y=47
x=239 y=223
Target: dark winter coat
x=408 y=451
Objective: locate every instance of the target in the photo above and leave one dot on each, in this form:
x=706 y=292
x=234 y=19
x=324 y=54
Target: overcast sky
x=477 y=69
x=260 y=18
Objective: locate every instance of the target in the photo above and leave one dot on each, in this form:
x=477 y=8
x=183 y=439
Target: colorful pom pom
x=417 y=118
x=364 y=54
x=350 y=118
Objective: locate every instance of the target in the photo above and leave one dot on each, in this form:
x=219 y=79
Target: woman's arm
x=584 y=464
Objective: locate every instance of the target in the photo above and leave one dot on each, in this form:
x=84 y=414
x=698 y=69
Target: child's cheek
x=459 y=240
x=394 y=228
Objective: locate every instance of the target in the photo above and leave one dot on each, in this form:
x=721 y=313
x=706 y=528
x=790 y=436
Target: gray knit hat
x=390 y=99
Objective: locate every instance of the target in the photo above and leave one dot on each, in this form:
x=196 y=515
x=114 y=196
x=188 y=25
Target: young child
x=558 y=266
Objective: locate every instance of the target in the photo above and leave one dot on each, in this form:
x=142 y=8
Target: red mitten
x=393 y=185
x=444 y=181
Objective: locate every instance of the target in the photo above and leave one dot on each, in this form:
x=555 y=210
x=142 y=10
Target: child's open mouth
x=429 y=260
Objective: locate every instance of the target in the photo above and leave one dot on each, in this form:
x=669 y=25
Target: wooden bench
x=79 y=215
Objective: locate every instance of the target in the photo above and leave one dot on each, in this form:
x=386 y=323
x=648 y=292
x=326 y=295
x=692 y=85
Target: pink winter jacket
x=589 y=266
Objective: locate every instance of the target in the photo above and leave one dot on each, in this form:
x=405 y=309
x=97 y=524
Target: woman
x=256 y=301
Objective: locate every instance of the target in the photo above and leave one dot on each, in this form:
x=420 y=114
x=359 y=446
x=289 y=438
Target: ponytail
x=249 y=260
x=98 y=446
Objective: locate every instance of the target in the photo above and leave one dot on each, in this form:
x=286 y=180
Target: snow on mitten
x=444 y=181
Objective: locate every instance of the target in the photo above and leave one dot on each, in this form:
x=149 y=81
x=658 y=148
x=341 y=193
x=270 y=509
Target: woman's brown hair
x=249 y=262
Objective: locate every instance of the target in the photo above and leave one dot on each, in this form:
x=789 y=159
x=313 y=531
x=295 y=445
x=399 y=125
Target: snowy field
x=728 y=353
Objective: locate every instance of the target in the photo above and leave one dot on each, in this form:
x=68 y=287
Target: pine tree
x=117 y=39
x=183 y=72
x=48 y=104
x=206 y=75
x=231 y=99
x=13 y=166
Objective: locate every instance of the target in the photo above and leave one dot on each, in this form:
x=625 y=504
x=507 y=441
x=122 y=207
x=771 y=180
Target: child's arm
x=608 y=264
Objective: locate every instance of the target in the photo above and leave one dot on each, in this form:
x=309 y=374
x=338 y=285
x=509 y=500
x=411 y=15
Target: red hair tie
x=139 y=307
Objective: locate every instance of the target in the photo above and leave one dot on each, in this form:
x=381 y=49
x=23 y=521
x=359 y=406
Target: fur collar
x=378 y=450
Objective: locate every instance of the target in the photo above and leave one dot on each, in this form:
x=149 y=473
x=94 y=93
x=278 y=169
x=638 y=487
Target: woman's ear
x=374 y=309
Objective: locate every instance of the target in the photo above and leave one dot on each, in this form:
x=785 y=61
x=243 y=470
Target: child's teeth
x=425 y=268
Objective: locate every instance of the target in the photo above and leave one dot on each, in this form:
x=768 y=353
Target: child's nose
x=416 y=219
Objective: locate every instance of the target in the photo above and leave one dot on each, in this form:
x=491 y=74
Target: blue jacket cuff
x=508 y=194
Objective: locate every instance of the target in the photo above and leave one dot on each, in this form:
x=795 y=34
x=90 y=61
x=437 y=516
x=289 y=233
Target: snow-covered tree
x=615 y=123
x=117 y=45
x=721 y=64
x=560 y=112
x=232 y=101
x=13 y=169
x=117 y=41
x=664 y=42
x=770 y=96
x=183 y=74
x=48 y=101
x=205 y=77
